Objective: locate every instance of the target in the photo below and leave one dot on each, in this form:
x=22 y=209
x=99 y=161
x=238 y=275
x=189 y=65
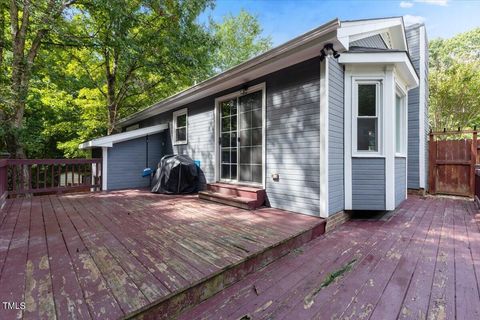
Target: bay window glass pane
x=367 y=99
x=398 y=124
x=367 y=139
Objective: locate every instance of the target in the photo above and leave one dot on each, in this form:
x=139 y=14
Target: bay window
x=367 y=116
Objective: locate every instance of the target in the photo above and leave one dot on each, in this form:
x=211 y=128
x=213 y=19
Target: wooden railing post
x=473 y=162
x=3 y=182
x=432 y=159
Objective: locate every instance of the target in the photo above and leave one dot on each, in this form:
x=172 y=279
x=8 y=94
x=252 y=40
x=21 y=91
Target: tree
x=455 y=96
x=454 y=81
x=238 y=38
x=134 y=52
x=30 y=23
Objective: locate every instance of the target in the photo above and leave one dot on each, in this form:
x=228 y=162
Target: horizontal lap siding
x=336 y=194
x=368 y=184
x=413 y=40
x=201 y=134
x=126 y=161
x=400 y=180
x=375 y=41
x=293 y=138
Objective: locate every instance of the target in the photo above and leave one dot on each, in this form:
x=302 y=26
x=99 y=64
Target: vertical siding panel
x=336 y=138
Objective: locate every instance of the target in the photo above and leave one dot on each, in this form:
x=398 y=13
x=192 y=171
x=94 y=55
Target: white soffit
x=355 y=30
x=108 y=141
x=400 y=59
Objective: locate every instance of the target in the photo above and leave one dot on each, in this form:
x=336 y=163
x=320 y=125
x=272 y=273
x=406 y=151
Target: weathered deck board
x=106 y=255
x=12 y=278
x=421 y=264
x=38 y=291
x=99 y=298
x=68 y=294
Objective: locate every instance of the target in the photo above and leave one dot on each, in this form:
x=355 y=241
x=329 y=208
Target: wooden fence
x=452 y=163
x=43 y=176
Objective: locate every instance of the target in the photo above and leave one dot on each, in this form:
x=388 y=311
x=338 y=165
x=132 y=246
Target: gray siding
x=413 y=40
x=400 y=180
x=293 y=138
x=201 y=134
x=368 y=184
x=126 y=161
x=375 y=41
x=336 y=194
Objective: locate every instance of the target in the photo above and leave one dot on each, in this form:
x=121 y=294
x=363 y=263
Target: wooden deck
x=424 y=263
x=132 y=253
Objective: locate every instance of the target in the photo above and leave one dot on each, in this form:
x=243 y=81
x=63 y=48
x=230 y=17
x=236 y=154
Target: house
x=331 y=121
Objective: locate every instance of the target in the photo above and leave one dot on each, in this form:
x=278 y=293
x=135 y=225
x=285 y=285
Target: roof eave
x=270 y=56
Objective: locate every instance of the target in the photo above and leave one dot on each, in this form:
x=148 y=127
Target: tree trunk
x=2 y=33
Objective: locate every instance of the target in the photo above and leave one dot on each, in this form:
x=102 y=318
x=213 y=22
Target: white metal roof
x=109 y=141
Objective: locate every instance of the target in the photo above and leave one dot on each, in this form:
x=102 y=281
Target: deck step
x=173 y=305
x=234 y=195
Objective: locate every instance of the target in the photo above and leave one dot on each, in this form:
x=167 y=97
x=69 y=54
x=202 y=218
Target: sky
x=286 y=19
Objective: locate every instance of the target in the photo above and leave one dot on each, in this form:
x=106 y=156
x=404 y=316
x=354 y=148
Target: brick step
x=173 y=305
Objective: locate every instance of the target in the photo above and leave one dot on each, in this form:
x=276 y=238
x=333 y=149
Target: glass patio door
x=241 y=139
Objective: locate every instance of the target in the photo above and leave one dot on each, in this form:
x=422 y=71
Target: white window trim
x=251 y=89
x=176 y=114
x=404 y=124
x=379 y=115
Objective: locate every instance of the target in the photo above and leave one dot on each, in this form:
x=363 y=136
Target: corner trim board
x=104 y=168
x=421 y=111
x=324 y=127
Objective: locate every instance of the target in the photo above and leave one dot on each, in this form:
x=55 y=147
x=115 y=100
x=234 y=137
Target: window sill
x=367 y=155
x=179 y=143
x=400 y=155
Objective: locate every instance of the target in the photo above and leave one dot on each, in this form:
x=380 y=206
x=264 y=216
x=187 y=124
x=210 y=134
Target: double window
x=367 y=116
x=180 y=126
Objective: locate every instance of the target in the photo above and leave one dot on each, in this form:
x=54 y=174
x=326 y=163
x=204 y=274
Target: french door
x=241 y=138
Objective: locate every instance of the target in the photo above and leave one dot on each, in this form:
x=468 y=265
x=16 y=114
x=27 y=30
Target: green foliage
x=106 y=59
x=454 y=81
x=239 y=39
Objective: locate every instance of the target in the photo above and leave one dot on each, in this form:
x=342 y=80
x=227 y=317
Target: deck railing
x=40 y=176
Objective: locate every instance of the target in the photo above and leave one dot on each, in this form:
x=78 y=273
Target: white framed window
x=367 y=102
x=400 y=125
x=180 y=127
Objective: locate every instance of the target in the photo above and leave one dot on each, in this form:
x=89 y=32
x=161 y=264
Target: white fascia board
x=292 y=52
x=108 y=141
x=399 y=59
